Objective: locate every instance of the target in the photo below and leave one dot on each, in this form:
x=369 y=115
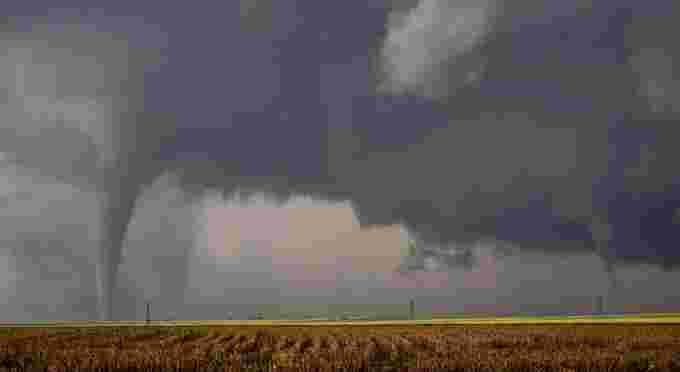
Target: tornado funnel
x=118 y=207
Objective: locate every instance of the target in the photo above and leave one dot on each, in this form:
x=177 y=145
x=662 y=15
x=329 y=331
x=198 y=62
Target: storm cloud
x=540 y=124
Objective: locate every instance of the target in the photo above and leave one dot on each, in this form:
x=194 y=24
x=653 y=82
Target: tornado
x=120 y=194
x=601 y=232
x=75 y=114
x=117 y=209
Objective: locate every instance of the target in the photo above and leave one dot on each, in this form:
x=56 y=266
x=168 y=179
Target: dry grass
x=564 y=347
x=657 y=318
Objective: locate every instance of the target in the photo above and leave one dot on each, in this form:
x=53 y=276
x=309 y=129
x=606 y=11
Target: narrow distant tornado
x=117 y=210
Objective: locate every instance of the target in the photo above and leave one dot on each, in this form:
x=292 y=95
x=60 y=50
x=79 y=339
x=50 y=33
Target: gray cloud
x=485 y=115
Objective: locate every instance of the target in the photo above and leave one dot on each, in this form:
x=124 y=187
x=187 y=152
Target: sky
x=268 y=150
x=285 y=256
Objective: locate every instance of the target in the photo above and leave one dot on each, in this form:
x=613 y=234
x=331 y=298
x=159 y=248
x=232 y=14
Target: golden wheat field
x=345 y=347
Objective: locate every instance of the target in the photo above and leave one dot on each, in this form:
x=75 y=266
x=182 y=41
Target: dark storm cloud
x=568 y=69
x=463 y=120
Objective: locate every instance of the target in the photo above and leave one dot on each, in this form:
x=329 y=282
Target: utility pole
x=599 y=305
x=412 y=309
x=148 y=312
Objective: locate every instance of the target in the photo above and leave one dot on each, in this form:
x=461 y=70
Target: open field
x=659 y=318
x=626 y=343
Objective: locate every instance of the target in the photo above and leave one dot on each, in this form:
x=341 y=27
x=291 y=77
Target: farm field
x=648 y=318
x=528 y=344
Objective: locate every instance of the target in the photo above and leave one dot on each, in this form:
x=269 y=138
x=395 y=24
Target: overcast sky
x=524 y=146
